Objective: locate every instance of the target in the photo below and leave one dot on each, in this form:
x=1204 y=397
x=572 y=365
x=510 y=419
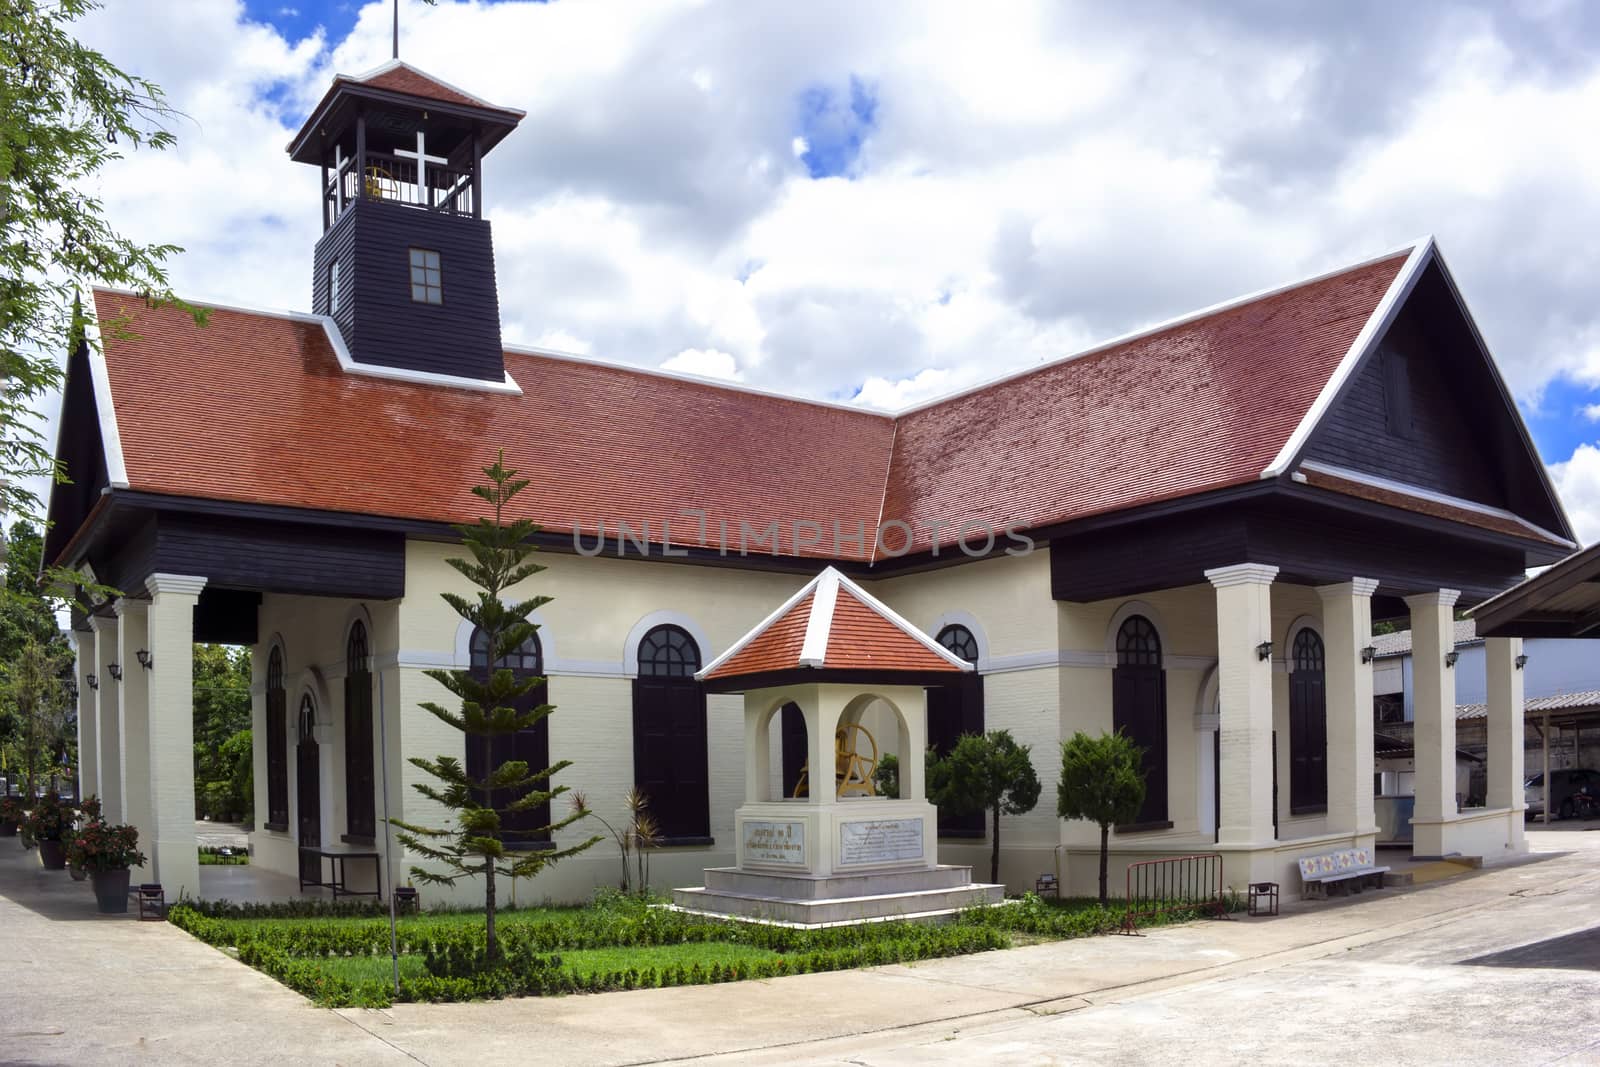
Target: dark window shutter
x=669 y=734
x=1308 y=725
x=277 y=744
x=1139 y=708
x=531 y=746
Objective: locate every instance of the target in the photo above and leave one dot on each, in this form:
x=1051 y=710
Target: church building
x=1185 y=534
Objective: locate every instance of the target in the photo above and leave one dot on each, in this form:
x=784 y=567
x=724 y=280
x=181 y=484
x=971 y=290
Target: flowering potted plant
x=46 y=824
x=107 y=852
x=90 y=812
x=11 y=815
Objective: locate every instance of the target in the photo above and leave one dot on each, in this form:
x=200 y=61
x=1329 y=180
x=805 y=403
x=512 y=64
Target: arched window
x=1139 y=710
x=308 y=790
x=1308 y=726
x=520 y=829
x=360 y=787
x=277 y=744
x=954 y=709
x=669 y=734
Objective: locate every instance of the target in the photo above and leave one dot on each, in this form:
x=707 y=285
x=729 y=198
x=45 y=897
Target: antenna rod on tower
x=397 y=29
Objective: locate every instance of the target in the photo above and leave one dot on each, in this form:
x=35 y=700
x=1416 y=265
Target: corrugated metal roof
x=1399 y=642
x=1582 y=700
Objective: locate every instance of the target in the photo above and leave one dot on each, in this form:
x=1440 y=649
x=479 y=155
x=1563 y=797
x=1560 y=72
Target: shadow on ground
x=1574 y=952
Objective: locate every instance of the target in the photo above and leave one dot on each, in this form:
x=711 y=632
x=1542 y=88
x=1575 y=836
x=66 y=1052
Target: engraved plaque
x=782 y=843
x=871 y=841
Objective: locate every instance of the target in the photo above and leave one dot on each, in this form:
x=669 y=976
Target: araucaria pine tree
x=475 y=844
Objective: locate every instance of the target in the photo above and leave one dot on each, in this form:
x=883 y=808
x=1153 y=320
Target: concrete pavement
x=1483 y=968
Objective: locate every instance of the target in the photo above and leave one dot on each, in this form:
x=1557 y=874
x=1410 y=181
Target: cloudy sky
x=884 y=201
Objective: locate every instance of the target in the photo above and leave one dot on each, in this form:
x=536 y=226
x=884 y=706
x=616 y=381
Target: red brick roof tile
x=254 y=407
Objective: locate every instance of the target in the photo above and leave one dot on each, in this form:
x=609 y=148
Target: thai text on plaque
x=775 y=842
x=880 y=841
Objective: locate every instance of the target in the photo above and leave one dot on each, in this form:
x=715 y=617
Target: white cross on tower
x=338 y=181
x=424 y=194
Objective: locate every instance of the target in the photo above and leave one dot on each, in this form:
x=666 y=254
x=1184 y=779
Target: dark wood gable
x=81 y=454
x=1426 y=409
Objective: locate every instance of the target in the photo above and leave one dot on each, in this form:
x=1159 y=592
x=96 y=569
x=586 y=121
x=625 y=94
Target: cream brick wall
x=1047 y=674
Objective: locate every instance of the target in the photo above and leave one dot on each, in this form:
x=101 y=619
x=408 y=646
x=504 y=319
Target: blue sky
x=887 y=201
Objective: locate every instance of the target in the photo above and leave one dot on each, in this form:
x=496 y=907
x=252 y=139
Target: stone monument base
x=926 y=895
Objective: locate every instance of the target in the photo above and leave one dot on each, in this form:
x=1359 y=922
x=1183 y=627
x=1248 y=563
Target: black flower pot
x=8 y=829
x=111 y=891
x=52 y=855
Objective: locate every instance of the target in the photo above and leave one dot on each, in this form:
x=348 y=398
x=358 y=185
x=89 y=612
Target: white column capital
x=101 y=624
x=182 y=584
x=126 y=606
x=1354 y=587
x=1444 y=598
x=1242 y=574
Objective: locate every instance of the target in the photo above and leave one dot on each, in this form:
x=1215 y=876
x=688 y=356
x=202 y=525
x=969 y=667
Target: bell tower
x=405 y=264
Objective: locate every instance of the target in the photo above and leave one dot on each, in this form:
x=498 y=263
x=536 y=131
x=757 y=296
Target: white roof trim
x=759 y=628
x=901 y=623
x=814 y=649
x=400 y=64
x=1358 y=350
x=341 y=351
x=1407 y=489
x=100 y=377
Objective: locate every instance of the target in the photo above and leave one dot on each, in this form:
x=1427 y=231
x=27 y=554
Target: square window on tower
x=425 y=284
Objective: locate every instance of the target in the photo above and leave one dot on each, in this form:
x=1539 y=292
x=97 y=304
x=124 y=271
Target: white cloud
x=1577 y=481
x=1592 y=412
x=707 y=363
x=1031 y=180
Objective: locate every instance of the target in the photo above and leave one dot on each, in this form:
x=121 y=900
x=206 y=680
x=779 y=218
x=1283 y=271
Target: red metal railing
x=1175 y=883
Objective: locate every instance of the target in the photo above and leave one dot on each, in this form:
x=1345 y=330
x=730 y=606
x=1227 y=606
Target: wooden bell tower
x=405 y=264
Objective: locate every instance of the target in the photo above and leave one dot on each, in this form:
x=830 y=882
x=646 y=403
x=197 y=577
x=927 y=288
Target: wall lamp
x=1451 y=657
x=116 y=671
x=146 y=660
x=93 y=680
x=1522 y=661
x=1264 y=650
x=1369 y=653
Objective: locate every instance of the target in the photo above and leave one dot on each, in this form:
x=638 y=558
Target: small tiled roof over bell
x=832 y=624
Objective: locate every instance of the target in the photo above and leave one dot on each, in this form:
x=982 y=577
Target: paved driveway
x=1494 y=967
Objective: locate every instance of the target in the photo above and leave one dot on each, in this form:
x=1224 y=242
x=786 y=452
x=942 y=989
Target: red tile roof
x=408 y=79
x=254 y=407
x=833 y=624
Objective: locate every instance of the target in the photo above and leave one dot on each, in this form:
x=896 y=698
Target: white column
x=108 y=721
x=1347 y=629
x=173 y=850
x=1244 y=689
x=134 y=713
x=88 y=701
x=1433 y=688
x=1505 y=729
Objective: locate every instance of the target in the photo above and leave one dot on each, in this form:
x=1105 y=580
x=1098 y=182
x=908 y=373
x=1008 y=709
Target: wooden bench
x=1349 y=868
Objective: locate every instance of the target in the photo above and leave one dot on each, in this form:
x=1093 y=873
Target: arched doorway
x=669 y=734
x=1308 y=725
x=519 y=829
x=360 y=785
x=308 y=790
x=1139 y=710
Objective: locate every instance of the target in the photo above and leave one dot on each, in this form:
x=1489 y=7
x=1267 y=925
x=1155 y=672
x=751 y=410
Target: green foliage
x=36 y=714
x=48 y=819
x=223 y=764
x=65 y=112
x=617 y=943
x=475 y=844
x=887 y=777
x=988 y=772
x=99 y=846
x=1100 y=782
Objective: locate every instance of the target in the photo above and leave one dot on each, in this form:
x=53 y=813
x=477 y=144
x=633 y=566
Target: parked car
x=1563 y=785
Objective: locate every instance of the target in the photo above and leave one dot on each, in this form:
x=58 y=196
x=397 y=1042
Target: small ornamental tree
x=1101 y=782
x=474 y=845
x=985 y=772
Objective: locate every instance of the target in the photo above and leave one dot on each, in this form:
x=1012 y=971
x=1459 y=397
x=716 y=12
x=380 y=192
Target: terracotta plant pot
x=111 y=891
x=52 y=855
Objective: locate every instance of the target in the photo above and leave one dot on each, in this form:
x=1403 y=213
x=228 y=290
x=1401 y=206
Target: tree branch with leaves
x=474 y=844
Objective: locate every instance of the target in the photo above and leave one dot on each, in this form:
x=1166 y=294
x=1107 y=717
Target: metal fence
x=1175 y=883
